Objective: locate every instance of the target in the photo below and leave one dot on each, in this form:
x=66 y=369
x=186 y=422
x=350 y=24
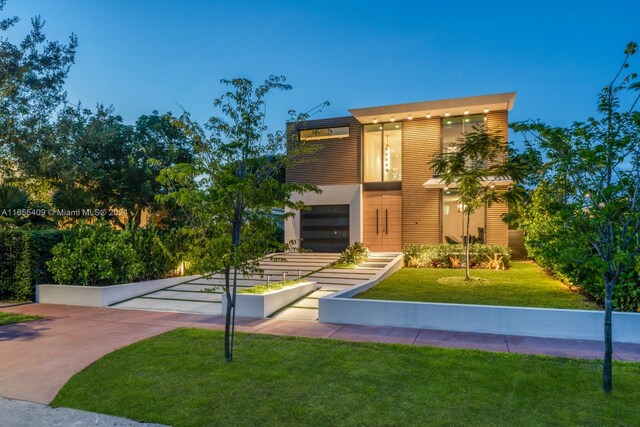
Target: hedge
x=23 y=258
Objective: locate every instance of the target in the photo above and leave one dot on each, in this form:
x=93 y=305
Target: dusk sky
x=144 y=55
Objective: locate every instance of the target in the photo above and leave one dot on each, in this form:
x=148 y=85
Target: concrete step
x=214 y=309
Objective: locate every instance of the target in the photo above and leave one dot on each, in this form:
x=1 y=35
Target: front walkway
x=40 y=356
x=204 y=296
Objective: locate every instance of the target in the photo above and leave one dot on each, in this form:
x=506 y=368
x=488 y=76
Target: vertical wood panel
x=420 y=206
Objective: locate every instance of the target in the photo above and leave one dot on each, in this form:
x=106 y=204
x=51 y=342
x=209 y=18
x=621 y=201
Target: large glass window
x=382 y=152
x=454 y=220
x=454 y=127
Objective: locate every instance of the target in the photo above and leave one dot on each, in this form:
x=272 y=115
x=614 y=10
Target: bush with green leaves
x=152 y=252
x=352 y=255
x=452 y=256
x=95 y=255
x=23 y=257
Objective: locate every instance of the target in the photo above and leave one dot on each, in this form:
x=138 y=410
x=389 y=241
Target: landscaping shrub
x=352 y=255
x=23 y=258
x=155 y=258
x=95 y=255
x=452 y=256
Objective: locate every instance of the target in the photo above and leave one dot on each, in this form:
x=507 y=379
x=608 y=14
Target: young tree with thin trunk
x=480 y=161
x=595 y=165
x=230 y=188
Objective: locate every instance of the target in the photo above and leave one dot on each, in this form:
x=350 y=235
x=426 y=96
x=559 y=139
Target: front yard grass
x=180 y=378
x=9 y=318
x=524 y=285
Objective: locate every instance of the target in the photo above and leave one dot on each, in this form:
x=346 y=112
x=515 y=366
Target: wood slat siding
x=337 y=161
x=420 y=206
x=497 y=230
x=499 y=121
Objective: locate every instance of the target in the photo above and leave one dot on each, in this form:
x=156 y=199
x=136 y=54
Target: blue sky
x=141 y=55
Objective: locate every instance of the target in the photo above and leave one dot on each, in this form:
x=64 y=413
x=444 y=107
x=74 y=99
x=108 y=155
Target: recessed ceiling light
x=466 y=112
x=392 y=119
x=446 y=114
x=486 y=110
x=410 y=117
x=429 y=116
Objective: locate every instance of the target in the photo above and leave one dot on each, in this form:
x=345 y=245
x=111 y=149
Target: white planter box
x=263 y=305
x=102 y=296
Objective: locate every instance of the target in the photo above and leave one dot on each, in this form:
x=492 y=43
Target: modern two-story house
x=377 y=186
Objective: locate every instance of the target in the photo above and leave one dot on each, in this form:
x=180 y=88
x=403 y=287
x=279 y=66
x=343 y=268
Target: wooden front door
x=382 y=221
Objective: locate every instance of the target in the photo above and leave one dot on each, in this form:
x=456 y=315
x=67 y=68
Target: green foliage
x=353 y=254
x=99 y=255
x=154 y=256
x=93 y=255
x=32 y=74
x=451 y=256
x=23 y=258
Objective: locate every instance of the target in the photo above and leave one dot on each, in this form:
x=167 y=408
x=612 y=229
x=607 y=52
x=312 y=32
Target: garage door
x=325 y=228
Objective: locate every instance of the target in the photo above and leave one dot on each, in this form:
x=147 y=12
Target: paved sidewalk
x=17 y=413
x=39 y=357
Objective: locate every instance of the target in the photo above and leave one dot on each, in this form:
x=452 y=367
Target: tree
x=32 y=74
x=232 y=185
x=480 y=161
x=595 y=166
x=96 y=160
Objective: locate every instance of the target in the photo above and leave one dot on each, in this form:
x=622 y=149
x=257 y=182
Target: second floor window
x=382 y=152
x=453 y=129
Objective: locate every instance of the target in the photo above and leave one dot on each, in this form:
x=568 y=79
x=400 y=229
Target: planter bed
x=102 y=296
x=263 y=305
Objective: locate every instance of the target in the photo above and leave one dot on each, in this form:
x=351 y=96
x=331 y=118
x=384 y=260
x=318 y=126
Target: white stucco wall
x=344 y=194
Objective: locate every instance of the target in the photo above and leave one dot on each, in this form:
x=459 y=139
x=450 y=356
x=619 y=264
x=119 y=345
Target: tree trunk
x=466 y=249
x=227 y=318
x=607 y=374
x=230 y=320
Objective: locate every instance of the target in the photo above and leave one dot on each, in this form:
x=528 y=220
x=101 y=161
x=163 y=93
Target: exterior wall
x=497 y=230
x=420 y=206
x=347 y=194
x=336 y=161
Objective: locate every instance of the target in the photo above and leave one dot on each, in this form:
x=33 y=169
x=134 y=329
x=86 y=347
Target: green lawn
x=180 y=378
x=8 y=318
x=524 y=285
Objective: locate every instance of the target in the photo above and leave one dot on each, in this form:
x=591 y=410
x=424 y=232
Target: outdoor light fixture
x=428 y=115
x=410 y=118
x=466 y=112
x=375 y=120
x=446 y=114
x=486 y=110
x=392 y=119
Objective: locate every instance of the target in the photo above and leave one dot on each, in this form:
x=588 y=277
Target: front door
x=382 y=221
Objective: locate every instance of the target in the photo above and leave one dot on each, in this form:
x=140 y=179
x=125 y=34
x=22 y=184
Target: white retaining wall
x=102 y=296
x=535 y=322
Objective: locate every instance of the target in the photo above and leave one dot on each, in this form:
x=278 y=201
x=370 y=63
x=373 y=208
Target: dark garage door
x=325 y=228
